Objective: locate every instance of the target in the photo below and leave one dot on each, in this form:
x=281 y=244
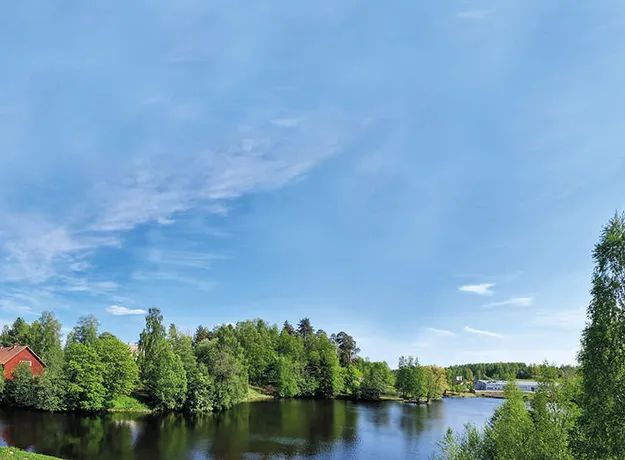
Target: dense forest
x=503 y=371
x=208 y=371
x=573 y=415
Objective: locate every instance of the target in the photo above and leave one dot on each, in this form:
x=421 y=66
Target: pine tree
x=602 y=357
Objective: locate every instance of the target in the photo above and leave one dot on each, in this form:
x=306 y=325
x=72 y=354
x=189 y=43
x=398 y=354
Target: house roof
x=8 y=353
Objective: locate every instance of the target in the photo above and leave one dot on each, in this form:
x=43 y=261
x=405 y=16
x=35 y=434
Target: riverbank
x=12 y=453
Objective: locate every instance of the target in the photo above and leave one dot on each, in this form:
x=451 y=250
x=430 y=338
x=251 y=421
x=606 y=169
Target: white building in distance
x=498 y=385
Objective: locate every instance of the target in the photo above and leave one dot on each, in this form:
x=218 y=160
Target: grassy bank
x=460 y=394
x=256 y=394
x=128 y=404
x=12 y=453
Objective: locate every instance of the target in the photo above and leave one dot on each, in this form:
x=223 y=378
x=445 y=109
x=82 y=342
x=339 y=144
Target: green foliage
x=200 y=384
x=304 y=328
x=223 y=357
x=435 y=380
x=17 y=334
x=120 y=370
x=45 y=339
x=51 y=390
x=85 y=332
x=554 y=414
x=288 y=376
x=201 y=333
x=20 y=391
x=411 y=380
x=470 y=445
x=322 y=366
x=162 y=371
x=348 y=351
x=84 y=372
x=510 y=432
x=514 y=432
x=353 y=379
x=505 y=371
x=258 y=350
x=377 y=380
x=602 y=357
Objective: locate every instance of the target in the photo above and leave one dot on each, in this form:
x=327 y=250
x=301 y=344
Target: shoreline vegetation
x=209 y=371
x=574 y=415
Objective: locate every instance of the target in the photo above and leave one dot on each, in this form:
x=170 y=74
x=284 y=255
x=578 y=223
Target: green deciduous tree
x=288 y=376
x=510 y=432
x=85 y=377
x=120 y=370
x=20 y=390
x=554 y=413
x=435 y=380
x=51 y=390
x=258 y=351
x=223 y=357
x=45 y=339
x=325 y=376
x=411 y=379
x=200 y=395
x=353 y=379
x=161 y=370
x=85 y=332
x=377 y=380
x=602 y=356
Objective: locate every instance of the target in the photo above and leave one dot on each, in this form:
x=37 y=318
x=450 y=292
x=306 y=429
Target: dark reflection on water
x=269 y=429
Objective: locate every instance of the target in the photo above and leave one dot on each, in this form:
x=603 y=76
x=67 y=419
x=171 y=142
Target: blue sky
x=428 y=176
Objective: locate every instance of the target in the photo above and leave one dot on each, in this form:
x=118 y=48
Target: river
x=330 y=429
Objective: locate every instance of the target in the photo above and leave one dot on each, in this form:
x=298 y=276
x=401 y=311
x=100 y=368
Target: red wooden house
x=10 y=357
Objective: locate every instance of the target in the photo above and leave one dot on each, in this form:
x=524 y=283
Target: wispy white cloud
x=118 y=310
x=187 y=259
x=441 y=332
x=470 y=330
x=480 y=289
x=174 y=277
x=513 y=302
x=473 y=14
x=41 y=248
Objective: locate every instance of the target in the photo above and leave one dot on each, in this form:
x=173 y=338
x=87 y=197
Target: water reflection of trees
x=266 y=429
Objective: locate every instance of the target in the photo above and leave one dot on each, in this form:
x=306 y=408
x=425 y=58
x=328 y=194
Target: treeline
x=573 y=415
x=500 y=371
x=209 y=371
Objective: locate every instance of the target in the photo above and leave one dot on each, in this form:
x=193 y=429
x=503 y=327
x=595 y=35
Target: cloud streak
x=118 y=310
x=441 y=332
x=470 y=330
x=480 y=289
x=513 y=302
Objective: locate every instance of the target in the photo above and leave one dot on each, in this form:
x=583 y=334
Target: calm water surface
x=267 y=429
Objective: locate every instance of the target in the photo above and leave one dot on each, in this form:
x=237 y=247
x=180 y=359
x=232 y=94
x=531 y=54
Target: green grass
x=7 y=453
x=256 y=394
x=128 y=404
